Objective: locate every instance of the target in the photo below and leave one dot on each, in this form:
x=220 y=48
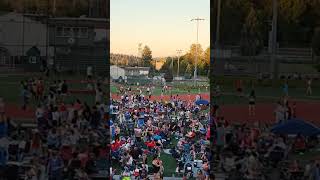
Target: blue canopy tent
x=201 y=102
x=296 y=126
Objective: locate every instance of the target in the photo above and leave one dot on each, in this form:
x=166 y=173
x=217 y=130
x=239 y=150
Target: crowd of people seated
x=251 y=151
x=70 y=139
x=143 y=129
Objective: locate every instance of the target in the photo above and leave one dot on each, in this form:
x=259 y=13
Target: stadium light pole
x=196 y=59
x=179 y=51
x=274 y=40
x=218 y=25
x=140 y=52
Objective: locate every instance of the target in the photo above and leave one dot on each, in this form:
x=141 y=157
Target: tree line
x=248 y=22
x=66 y=8
x=187 y=62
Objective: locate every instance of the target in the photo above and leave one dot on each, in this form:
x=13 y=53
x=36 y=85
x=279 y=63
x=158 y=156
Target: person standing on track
x=25 y=98
x=309 y=89
x=2 y=109
x=252 y=103
x=239 y=87
x=286 y=88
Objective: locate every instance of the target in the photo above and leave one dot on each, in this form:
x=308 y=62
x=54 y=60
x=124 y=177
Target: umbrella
x=296 y=126
x=201 y=102
x=156 y=137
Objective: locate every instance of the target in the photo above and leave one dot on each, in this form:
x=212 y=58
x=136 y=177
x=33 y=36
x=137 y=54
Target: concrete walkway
x=218 y=177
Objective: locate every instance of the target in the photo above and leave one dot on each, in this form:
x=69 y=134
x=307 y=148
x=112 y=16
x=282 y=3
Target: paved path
x=218 y=177
x=265 y=112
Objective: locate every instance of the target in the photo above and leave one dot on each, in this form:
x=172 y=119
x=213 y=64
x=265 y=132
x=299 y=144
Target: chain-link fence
x=35 y=37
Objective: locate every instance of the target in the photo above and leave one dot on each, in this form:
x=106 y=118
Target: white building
x=137 y=71
x=117 y=72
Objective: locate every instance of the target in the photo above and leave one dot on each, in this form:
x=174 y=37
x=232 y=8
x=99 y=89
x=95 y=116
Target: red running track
x=265 y=113
x=234 y=113
x=15 y=111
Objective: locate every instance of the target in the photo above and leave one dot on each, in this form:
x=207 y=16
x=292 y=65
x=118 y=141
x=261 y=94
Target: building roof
x=137 y=68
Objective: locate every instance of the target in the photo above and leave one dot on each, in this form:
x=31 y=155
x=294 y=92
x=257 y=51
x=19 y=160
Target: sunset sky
x=163 y=25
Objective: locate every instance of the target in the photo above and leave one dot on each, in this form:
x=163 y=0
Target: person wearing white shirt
x=4 y=145
x=89 y=72
x=55 y=116
x=99 y=95
x=39 y=113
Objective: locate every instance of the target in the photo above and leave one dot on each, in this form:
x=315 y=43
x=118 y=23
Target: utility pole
x=196 y=59
x=218 y=24
x=140 y=52
x=54 y=8
x=274 y=41
x=179 y=51
x=171 y=64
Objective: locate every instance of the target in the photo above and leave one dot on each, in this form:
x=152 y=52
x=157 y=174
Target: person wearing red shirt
x=208 y=133
x=63 y=112
x=299 y=144
x=151 y=144
x=239 y=88
x=78 y=105
x=66 y=153
x=40 y=89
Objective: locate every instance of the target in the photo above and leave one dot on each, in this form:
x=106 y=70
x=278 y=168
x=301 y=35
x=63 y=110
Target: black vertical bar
x=107 y=79
x=47 y=30
x=23 y=13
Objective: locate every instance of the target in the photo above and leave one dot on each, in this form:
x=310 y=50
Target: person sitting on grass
x=299 y=144
x=156 y=164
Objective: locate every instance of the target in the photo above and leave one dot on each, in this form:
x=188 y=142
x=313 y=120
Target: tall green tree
x=146 y=56
x=292 y=10
x=251 y=37
x=195 y=50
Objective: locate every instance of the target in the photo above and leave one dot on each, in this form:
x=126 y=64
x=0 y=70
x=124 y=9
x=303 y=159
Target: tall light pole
x=140 y=52
x=179 y=51
x=274 y=40
x=196 y=59
x=218 y=24
x=171 y=64
x=54 y=7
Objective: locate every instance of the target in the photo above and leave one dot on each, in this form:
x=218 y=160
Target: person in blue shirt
x=55 y=167
x=52 y=139
x=25 y=98
x=286 y=88
x=3 y=128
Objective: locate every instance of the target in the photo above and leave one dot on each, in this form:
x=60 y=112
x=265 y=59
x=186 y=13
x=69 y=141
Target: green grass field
x=10 y=88
x=265 y=92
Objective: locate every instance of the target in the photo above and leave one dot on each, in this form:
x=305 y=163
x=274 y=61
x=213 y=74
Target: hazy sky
x=163 y=25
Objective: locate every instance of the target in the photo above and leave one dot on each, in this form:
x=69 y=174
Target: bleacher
x=286 y=55
x=79 y=63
